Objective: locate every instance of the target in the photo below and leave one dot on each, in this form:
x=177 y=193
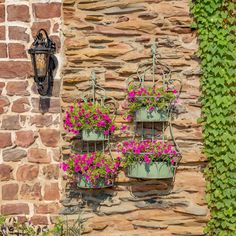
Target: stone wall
x=29 y=125
x=113 y=37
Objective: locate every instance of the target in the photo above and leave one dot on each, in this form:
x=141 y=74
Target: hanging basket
x=155 y=170
x=144 y=115
x=91 y=135
x=101 y=183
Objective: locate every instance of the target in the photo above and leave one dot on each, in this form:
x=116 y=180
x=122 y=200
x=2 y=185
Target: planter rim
x=158 y=171
x=97 y=135
x=157 y=115
x=87 y=185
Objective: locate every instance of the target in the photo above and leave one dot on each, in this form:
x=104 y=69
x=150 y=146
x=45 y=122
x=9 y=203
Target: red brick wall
x=29 y=136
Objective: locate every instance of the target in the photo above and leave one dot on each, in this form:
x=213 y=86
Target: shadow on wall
x=140 y=191
x=44 y=101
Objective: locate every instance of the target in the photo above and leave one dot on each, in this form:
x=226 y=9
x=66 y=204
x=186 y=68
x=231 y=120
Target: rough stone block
x=2 y=85
x=39 y=220
x=51 y=192
x=51 y=171
x=5 y=140
x=10 y=191
x=13 y=154
x=31 y=192
x=17 y=88
x=41 y=120
x=11 y=122
x=3 y=50
x=37 y=155
x=2 y=13
x=5 y=172
x=18 y=13
x=2 y=33
x=17 y=50
x=14 y=69
x=4 y=103
x=15 y=209
x=21 y=105
x=47 y=10
x=27 y=172
x=50 y=137
x=18 y=33
x=25 y=138
x=51 y=208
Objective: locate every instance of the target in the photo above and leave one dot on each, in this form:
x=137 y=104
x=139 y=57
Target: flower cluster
x=150 y=98
x=93 y=166
x=147 y=151
x=88 y=116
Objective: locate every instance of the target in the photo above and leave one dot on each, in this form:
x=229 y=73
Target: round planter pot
x=155 y=170
x=101 y=183
x=90 y=135
x=144 y=115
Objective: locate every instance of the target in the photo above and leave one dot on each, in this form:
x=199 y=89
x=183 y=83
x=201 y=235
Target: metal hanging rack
x=97 y=94
x=166 y=81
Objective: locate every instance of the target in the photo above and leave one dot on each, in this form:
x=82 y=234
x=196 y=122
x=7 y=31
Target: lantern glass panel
x=41 y=60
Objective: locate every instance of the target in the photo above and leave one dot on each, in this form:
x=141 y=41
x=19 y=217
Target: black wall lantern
x=41 y=52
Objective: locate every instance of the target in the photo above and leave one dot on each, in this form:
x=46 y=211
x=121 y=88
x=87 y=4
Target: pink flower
x=112 y=128
x=106 y=118
x=129 y=118
x=146 y=159
x=173 y=162
x=77 y=169
x=123 y=127
x=151 y=109
x=64 y=166
x=132 y=94
x=106 y=132
x=101 y=123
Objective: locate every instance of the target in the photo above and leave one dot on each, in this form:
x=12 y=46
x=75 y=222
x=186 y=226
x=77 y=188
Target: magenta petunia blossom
x=92 y=166
x=88 y=116
x=148 y=151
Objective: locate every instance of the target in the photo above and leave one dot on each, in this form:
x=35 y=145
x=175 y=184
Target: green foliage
x=89 y=116
x=62 y=227
x=150 y=98
x=215 y=21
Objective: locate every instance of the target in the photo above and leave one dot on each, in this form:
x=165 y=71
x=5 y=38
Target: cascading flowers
x=147 y=151
x=88 y=116
x=92 y=167
x=150 y=98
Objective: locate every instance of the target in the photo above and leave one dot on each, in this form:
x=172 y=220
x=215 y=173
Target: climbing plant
x=215 y=21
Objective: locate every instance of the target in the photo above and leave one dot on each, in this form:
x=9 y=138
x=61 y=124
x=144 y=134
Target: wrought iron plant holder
x=41 y=53
x=97 y=94
x=147 y=73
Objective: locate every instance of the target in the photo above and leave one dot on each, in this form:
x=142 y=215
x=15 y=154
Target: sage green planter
x=143 y=115
x=101 y=183
x=90 y=135
x=155 y=170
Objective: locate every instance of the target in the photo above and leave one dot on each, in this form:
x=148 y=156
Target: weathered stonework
x=113 y=37
x=26 y=155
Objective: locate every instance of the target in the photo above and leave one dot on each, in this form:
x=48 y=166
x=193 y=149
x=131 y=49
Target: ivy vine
x=215 y=21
